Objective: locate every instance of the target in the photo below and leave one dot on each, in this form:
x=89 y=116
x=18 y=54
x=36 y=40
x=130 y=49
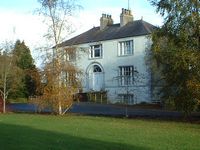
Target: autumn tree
x=176 y=50
x=10 y=73
x=61 y=75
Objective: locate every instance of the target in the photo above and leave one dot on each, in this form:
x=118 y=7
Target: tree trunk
x=4 y=93
x=59 y=108
x=4 y=103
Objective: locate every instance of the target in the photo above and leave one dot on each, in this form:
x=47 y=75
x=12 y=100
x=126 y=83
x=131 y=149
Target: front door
x=96 y=78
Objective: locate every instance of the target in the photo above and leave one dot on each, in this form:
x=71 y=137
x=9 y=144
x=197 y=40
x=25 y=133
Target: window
x=71 y=78
x=97 y=69
x=125 y=48
x=72 y=56
x=96 y=51
x=126 y=75
x=126 y=98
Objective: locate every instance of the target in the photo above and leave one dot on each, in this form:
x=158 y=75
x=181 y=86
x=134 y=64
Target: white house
x=115 y=58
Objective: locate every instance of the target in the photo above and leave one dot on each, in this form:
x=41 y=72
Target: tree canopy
x=58 y=92
x=176 y=50
x=23 y=55
x=25 y=61
x=10 y=73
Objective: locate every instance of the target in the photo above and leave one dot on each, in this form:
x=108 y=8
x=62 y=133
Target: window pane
x=126 y=48
x=96 y=46
x=97 y=68
x=126 y=75
x=126 y=98
x=91 y=52
x=97 y=53
x=72 y=56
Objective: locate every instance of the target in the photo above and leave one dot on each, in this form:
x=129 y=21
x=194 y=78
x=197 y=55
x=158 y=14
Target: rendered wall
x=110 y=63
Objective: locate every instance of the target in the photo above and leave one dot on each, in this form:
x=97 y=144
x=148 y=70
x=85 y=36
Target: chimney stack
x=105 y=21
x=125 y=17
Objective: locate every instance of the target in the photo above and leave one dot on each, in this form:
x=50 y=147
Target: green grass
x=43 y=132
x=18 y=100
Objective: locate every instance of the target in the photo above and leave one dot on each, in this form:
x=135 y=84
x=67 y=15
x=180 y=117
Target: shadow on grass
x=13 y=137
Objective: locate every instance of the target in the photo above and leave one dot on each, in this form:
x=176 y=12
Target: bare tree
x=10 y=74
x=61 y=75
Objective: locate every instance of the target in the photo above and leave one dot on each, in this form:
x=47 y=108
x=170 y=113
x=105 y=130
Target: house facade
x=114 y=58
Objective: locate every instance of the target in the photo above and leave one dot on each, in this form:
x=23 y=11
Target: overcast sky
x=19 y=22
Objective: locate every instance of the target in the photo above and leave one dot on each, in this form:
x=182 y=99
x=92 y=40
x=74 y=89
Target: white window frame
x=126 y=75
x=126 y=98
x=72 y=56
x=94 y=49
x=125 y=48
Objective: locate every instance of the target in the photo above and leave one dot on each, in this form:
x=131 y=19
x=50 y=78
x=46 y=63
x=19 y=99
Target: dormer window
x=125 y=48
x=96 y=51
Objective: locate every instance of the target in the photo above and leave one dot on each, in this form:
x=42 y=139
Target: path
x=108 y=110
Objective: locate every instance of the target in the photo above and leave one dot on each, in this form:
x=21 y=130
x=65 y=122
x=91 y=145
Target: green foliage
x=23 y=55
x=176 y=50
x=18 y=100
x=10 y=73
x=25 y=61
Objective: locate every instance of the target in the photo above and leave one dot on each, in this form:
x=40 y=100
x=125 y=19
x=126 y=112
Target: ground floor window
x=126 y=98
x=126 y=75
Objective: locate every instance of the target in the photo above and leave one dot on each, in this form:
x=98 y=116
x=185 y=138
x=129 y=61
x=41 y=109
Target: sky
x=18 y=20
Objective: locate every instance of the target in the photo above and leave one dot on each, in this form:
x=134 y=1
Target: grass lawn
x=43 y=132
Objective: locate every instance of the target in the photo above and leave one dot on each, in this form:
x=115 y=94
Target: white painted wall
x=110 y=63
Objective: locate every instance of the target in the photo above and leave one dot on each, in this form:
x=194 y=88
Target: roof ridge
x=115 y=31
x=144 y=23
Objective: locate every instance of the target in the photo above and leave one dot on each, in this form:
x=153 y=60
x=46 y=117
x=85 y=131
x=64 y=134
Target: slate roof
x=135 y=28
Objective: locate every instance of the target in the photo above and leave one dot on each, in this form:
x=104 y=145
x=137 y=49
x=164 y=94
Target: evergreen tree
x=25 y=61
x=23 y=55
x=176 y=49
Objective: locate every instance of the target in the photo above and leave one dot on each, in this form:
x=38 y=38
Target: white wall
x=110 y=63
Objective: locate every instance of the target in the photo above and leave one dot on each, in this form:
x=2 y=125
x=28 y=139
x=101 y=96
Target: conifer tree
x=25 y=61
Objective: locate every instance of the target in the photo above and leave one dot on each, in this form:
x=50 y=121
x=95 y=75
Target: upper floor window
x=126 y=75
x=70 y=54
x=96 y=51
x=125 y=48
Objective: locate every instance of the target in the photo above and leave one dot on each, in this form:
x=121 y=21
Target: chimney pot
x=125 y=17
x=105 y=21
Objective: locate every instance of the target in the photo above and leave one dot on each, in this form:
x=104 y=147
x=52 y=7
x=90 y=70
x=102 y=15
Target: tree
x=10 y=73
x=23 y=54
x=59 y=70
x=25 y=61
x=176 y=50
